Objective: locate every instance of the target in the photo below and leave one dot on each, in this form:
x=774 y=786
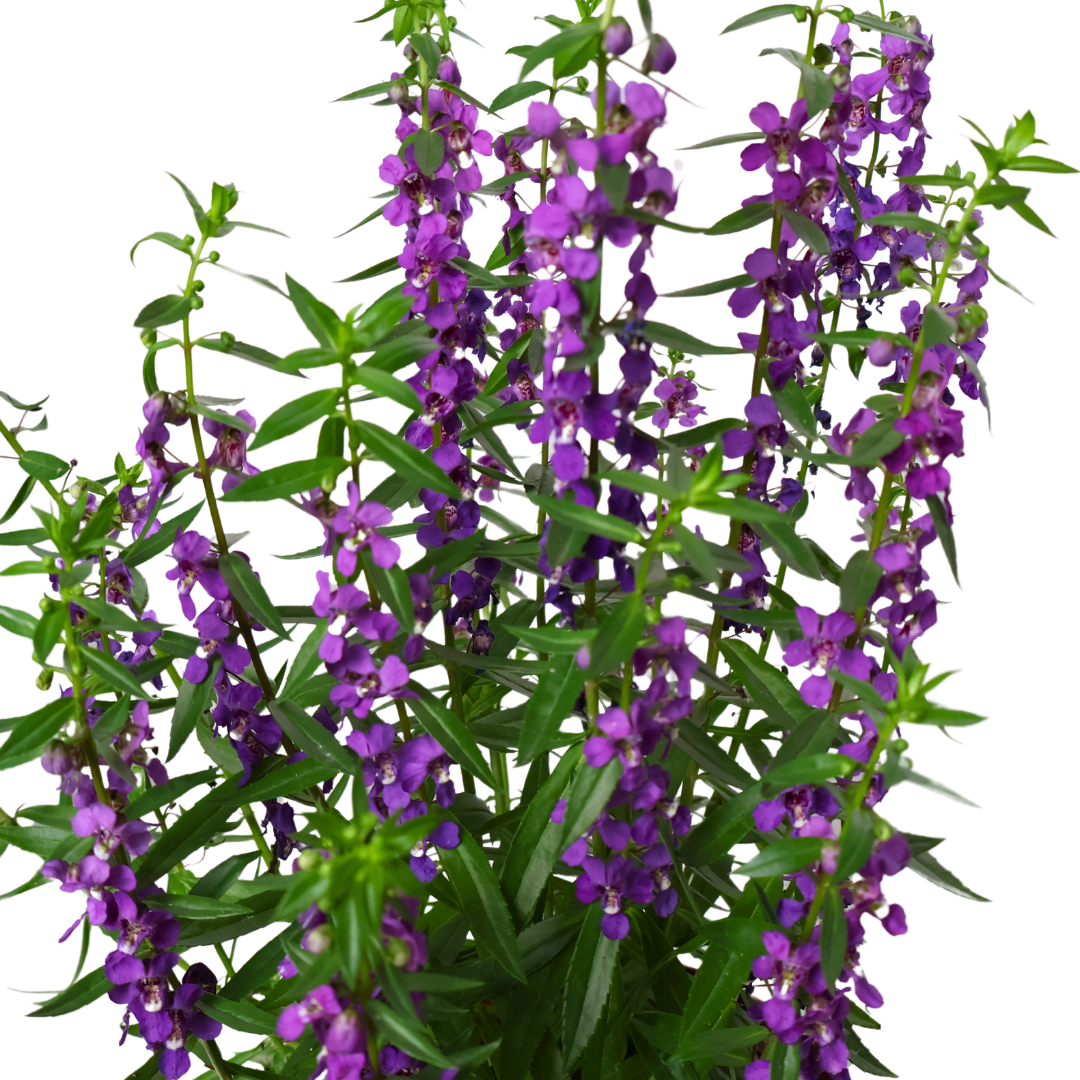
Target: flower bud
x=660 y=57
x=409 y=52
x=900 y=745
x=148 y=337
x=44 y=679
x=845 y=15
x=618 y=36
x=448 y=71
x=318 y=939
x=309 y=859
x=399 y=92
x=196 y=303
x=188 y=240
x=214 y=256
x=227 y=339
x=58 y=759
x=198 y=285
x=907 y=276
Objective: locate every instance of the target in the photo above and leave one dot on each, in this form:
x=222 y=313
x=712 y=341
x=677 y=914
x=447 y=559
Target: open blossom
x=821 y=649
x=612 y=883
x=196 y=564
x=356 y=523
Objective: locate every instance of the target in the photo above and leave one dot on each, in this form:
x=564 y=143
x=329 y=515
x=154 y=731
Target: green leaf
x=551 y=639
x=552 y=702
x=721 y=829
x=290 y=779
x=944 y=531
x=89 y=988
x=20 y=497
x=306 y=662
x=937 y=327
x=387 y=266
x=861 y=1058
x=715 y=761
x=588 y=982
x=536 y=848
x=112 y=672
x=1034 y=163
x=163 y=238
x=834 y=935
x=149 y=546
x=429 y=148
x=385 y=385
x=406 y=1033
x=774 y=11
x=450 y=733
x=697 y=553
x=425 y=47
x=163 y=311
x=312 y=737
x=671 y=337
x=925 y=865
x=903 y=220
x=238 y=1015
x=399 y=352
x=367 y=91
x=251 y=353
x=808 y=769
x=518 y=92
x=192 y=907
x=879 y=439
x=404 y=458
x=482 y=902
x=29 y=734
x=722 y=974
x=320 y=319
x=588 y=795
x=574 y=37
x=34 y=406
x=618 y=636
x=296 y=416
x=162 y=794
x=858 y=843
x=248 y=589
x=17 y=622
x=583 y=517
x=724 y=140
x=816 y=87
x=39 y=840
x=21 y=537
x=42 y=466
x=871 y=22
x=783 y=857
x=192 y=830
x=858 y=581
x=808 y=231
x=192 y=700
x=285 y=480
x=949 y=717
x=737 y=282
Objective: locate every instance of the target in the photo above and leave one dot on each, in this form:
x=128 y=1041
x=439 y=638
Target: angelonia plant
x=687 y=872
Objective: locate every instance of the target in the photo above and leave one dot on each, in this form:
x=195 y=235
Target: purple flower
x=669 y=653
x=381 y=763
x=427 y=259
x=185 y=1019
x=357 y=523
x=345 y=607
x=822 y=648
x=230 y=451
x=360 y=682
x=214 y=633
x=630 y=737
x=789 y=969
x=421 y=758
x=798 y=804
x=612 y=883
x=195 y=563
x=783 y=146
x=143 y=986
x=677 y=394
x=101 y=822
x=765 y=435
x=252 y=736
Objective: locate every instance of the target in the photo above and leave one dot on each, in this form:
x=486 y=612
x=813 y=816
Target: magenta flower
x=101 y=822
x=195 y=564
x=821 y=649
x=360 y=682
x=611 y=883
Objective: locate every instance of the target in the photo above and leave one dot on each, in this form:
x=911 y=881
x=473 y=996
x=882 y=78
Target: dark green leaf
x=816 y=87
x=307 y=660
x=429 y=148
x=425 y=47
x=588 y=795
x=285 y=480
x=43 y=466
x=399 y=352
x=587 y=519
x=39 y=840
x=944 y=531
x=722 y=974
x=871 y=22
x=29 y=734
x=296 y=416
x=925 y=865
x=588 y=982
x=858 y=843
x=157 y=797
x=89 y=988
x=937 y=326
x=518 y=92
x=404 y=458
x=551 y=639
x=324 y=325
x=858 y=581
x=715 y=761
x=861 y=1058
x=482 y=902
x=406 y=1033
x=536 y=847
x=367 y=91
x=383 y=384
x=1034 y=163
x=879 y=439
x=195 y=827
x=17 y=622
x=903 y=220
x=834 y=935
x=387 y=266
x=291 y=779
x=783 y=857
x=34 y=406
x=20 y=497
x=724 y=140
x=246 y=587
x=238 y=1015
x=111 y=672
x=950 y=717
x=618 y=636
x=574 y=37
x=808 y=231
x=192 y=700
x=774 y=11
x=736 y=282
x=552 y=702
x=163 y=311
x=809 y=769
x=791 y=547
x=312 y=737
x=149 y=546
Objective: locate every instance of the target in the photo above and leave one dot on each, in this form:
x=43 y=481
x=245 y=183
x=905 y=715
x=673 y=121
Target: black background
x=240 y=93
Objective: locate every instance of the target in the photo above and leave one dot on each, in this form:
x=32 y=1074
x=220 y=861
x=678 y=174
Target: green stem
x=256 y=832
x=13 y=442
x=223 y=956
x=216 y=1060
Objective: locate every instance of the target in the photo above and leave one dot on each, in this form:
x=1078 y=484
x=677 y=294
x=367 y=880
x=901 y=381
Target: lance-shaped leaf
x=518 y=92
x=163 y=311
x=405 y=459
x=588 y=982
x=20 y=497
x=722 y=828
x=30 y=734
x=783 y=857
x=588 y=795
x=808 y=769
x=43 y=466
x=618 y=636
x=713 y=287
x=290 y=779
x=670 y=337
x=536 y=848
x=284 y=480
x=482 y=902
x=111 y=672
x=722 y=974
x=296 y=416
x=320 y=319
x=192 y=700
x=552 y=702
x=574 y=37
x=834 y=935
x=248 y=589
x=944 y=531
x=774 y=11
x=238 y=1015
x=859 y=580
x=306 y=662
x=191 y=831
x=89 y=988
x=925 y=865
x=312 y=737
x=149 y=546
x=771 y=689
x=163 y=794
x=588 y=520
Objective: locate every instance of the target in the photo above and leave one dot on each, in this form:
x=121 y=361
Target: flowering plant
x=677 y=877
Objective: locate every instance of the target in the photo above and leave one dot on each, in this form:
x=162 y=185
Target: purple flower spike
x=195 y=563
x=822 y=648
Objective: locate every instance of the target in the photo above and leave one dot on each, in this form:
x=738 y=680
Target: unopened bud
x=309 y=859
x=196 y=303
x=198 y=285
x=58 y=759
x=907 y=276
x=618 y=36
x=214 y=256
x=845 y=15
x=398 y=92
x=44 y=679
x=148 y=337
x=227 y=339
x=660 y=57
x=188 y=240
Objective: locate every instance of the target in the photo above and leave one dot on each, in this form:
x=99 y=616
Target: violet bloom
x=345 y=607
x=822 y=648
x=252 y=736
x=360 y=682
x=798 y=804
x=230 y=450
x=158 y=928
x=100 y=821
x=173 y=1060
x=427 y=259
x=669 y=653
x=765 y=436
x=357 y=523
x=317 y=1008
x=909 y=620
x=676 y=394
x=381 y=763
x=657 y=859
x=421 y=758
x=612 y=883
x=630 y=738
x=645 y=832
x=213 y=634
x=444 y=835
x=117 y=583
x=93 y=876
x=789 y=969
x=143 y=986
x=777 y=281
x=195 y=563
x=783 y=146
